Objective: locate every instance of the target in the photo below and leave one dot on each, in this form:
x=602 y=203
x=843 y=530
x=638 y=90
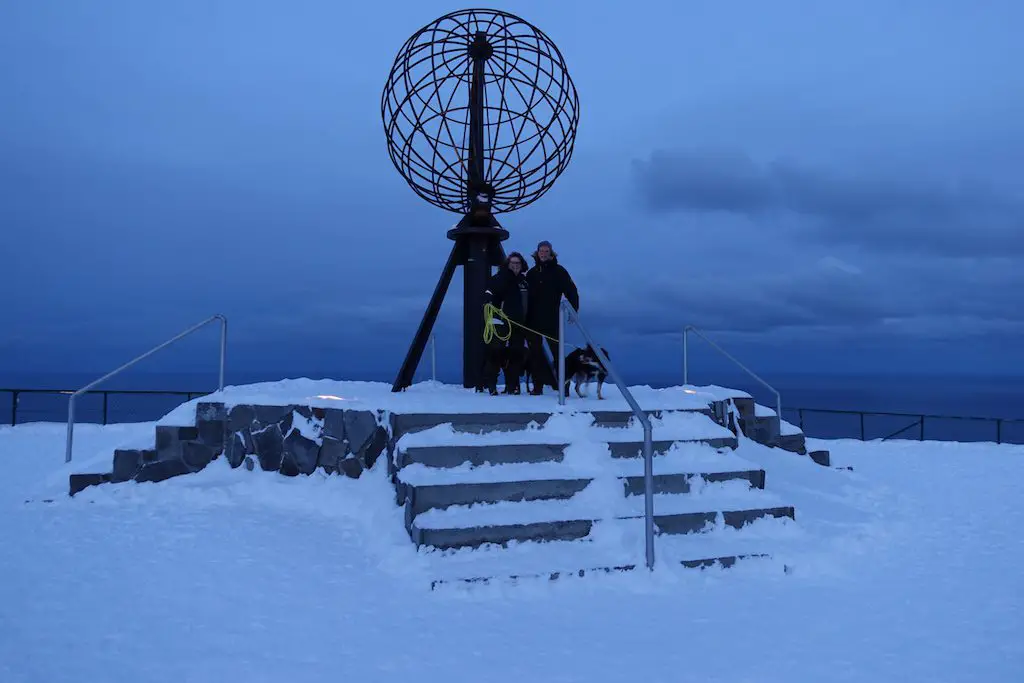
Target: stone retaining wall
x=290 y=439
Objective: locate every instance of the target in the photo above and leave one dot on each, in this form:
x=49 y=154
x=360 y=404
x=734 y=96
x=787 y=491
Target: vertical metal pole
x=862 y=426
x=71 y=427
x=800 y=414
x=686 y=357
x=480 y=50
x=106 y=395
x=561 y=352
x=476 y=269
x=778 y=409
x=223 y=348
x=14 y=408
x=649 y=492
x=433 y=357
x=922 y=428
x=999 y=430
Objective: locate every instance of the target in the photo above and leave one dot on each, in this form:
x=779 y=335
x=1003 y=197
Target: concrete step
x=474 y=537
x=444 y=538
x=693 y=522
x=724 y=561
x=683 y=482
x=612 y=545
x=419 y=499
x=794 y=443
x=455 y=455
x=483 y=423
x=479 y=455
x=635 y=449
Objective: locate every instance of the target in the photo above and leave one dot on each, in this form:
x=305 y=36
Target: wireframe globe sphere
x=530 y=110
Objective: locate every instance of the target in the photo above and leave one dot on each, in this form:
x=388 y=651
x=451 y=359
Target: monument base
x=522 y=453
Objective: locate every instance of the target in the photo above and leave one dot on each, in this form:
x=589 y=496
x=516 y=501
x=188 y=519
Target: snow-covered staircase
x=471 y=481
x=532 y=488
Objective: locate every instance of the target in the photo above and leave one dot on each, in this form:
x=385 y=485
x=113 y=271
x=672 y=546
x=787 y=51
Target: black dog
x=495 y=358
x=498 y=357
x=582 y=366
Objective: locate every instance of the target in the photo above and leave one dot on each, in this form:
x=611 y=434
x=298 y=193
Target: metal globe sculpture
x=528 y=106
x=480 y=118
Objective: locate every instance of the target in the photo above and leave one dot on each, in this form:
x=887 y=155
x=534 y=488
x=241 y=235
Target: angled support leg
x=419 y=342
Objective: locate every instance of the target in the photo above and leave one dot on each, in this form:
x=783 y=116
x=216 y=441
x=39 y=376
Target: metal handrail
x=744 y=368
x=433 y=358
x=566 y=308
x=223 y=350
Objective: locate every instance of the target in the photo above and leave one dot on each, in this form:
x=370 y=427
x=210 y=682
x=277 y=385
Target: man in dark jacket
x=547 y=282
x=507 y=290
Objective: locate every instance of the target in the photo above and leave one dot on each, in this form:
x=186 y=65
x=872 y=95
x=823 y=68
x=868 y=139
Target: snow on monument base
x=472 y=470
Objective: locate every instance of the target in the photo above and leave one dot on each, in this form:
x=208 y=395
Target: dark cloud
x=829 y=294
x=207 y=174
x=888 y=210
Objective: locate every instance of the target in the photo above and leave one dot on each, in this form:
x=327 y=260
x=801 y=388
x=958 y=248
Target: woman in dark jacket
x=548 y=281
x=507 y=290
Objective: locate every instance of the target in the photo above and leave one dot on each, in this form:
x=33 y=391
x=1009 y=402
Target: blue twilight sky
x=818 y=184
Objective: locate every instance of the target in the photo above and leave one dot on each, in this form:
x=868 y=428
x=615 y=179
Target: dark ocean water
x=964 y=396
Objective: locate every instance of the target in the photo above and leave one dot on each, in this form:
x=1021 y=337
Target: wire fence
x=867 y=425
x=19 y=406
x=98 y=407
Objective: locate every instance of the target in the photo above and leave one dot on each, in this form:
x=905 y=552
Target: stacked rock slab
x=289 y=439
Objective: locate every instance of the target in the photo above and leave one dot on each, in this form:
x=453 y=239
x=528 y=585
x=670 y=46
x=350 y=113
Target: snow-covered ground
x=907 y=568
x=432 y=397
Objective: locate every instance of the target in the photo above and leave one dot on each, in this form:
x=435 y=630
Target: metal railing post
x=686 y=357
x=561 y=353
x=645 y=420
x=649 y=491
x=223 y=347
x=90 y=385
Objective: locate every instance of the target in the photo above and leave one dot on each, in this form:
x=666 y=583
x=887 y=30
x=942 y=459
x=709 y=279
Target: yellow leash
x=490 y=330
